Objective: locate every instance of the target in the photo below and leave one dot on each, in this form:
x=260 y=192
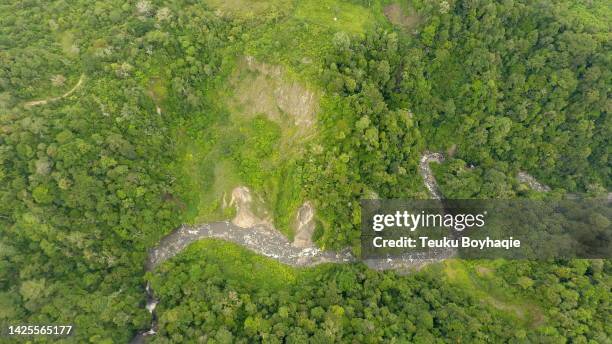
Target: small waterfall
x=151 y=305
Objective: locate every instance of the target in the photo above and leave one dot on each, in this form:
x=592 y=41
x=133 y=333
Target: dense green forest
x=121 y=120
x=216 y=292
x=502 y=87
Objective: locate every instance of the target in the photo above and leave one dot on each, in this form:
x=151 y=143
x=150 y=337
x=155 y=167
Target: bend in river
x=271 y=243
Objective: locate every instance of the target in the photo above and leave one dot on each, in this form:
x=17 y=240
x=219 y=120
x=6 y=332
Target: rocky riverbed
x=263 y=239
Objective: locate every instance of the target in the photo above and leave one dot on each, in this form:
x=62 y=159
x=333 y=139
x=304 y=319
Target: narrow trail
x=271 y=243
x=49 y=100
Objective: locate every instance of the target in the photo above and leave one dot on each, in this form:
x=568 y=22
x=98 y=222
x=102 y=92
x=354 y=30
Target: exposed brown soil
x=245 y=217
x=396 y=15
x=261 y=88
x=525 y=178
x=305 y=226
x=483 y=271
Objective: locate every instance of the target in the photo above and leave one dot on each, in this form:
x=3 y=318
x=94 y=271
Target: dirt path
x=48 y=100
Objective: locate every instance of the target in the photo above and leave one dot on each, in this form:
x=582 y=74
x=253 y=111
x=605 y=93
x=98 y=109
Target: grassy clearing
x=301 y=39
x=251 y=9
x=223 y=157
x=241 y=266
x=68 y=44
x=213 y=181
x=479 y=277
x=336 y=15
x=291 y=44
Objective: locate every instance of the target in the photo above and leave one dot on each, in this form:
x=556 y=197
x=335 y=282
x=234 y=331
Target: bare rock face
x=241 y=198
x=525 y=178
x=300 y=103
x=427 y=173
x=263 y=68
x=267 y=89
x=305 y=226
